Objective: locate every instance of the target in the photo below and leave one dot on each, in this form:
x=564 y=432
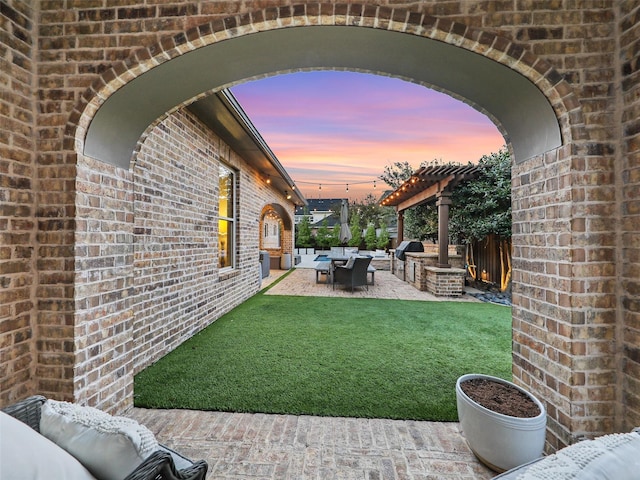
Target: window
x=226 y=218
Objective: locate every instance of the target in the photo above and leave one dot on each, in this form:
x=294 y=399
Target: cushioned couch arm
x=27 y=411
x=159 y=466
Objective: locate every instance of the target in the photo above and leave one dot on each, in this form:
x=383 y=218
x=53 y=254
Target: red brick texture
x=18 y=253
x=627 y=163
x=73 y=274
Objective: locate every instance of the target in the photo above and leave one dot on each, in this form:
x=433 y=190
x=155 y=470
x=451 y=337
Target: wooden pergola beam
x=426 y=194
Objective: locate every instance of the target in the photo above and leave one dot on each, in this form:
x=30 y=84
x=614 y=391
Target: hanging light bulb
x=268 y=180
x=347 y=187
x=288 y=195
x=374 y=184
x=320 y=187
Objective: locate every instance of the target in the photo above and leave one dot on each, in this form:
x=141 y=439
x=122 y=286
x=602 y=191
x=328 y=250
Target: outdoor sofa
x=609 y=457
x=44 y=439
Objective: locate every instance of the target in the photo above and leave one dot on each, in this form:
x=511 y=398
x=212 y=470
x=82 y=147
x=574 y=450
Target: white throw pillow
x=350 y=262
x=110 y=447
x=27 y=455
x=610 y=457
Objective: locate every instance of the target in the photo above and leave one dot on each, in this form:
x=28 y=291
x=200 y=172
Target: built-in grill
x=408 y=246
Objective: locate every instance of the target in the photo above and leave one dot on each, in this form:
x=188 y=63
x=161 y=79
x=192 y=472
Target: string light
x=345 y=184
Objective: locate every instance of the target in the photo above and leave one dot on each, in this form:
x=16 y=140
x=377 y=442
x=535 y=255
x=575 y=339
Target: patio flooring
x=302 y=281
x=239 y=446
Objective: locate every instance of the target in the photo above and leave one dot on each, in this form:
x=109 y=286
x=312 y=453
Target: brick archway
x=536 y=337
x=282 y=218
x=127 y=99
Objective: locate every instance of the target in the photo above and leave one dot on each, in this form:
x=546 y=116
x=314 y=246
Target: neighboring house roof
x=332 y=221
x=319 y=205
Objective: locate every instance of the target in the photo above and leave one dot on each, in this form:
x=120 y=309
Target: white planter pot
x=499 y=441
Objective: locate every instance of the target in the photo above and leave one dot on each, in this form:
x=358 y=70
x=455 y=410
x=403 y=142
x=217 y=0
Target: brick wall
x=575 y=209
x=17 y=200
x=103 y=315
x=178 y=287
x=147 y=275
x=444 y=282
x=629 y=194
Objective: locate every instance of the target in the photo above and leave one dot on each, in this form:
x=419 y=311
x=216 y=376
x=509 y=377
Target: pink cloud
x=341 y=127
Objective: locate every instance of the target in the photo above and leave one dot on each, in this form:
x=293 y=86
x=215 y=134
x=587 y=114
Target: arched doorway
x=276 y=235
x=488 y=85
x=523 y=95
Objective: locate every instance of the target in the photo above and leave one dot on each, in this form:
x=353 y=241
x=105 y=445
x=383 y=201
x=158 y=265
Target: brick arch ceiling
x=520 y=108
x=281 y=211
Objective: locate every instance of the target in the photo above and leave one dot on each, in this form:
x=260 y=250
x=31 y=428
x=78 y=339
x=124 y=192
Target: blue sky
x=330 y=127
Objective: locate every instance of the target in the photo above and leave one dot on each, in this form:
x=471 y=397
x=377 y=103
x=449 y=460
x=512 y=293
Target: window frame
x=231 y=221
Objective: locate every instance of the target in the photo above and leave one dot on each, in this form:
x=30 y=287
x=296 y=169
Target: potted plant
x=509 y=429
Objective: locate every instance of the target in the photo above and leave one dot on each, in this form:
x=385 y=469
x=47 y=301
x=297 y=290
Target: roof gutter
x=241 y=117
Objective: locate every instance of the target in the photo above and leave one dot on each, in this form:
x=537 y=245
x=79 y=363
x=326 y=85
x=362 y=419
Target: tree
x=303 y=233
x=418 y=221
x=334 y=238
x=370 y=238
x=482 y=207
x=421 y=222
x=370 y=212
x=397 y=173
x=383 y=239
x=356 y=231
x=323 y=236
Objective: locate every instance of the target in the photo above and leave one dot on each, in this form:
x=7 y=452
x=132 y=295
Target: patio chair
x=353 y=274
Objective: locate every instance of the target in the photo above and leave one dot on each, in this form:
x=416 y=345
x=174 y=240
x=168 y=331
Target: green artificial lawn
x=334 y=357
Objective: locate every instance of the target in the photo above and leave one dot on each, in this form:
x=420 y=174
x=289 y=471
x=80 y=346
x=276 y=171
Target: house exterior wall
x=575 y=245
x=147 y=254
x=178 y=287
x=627 y=160
x=18 y=191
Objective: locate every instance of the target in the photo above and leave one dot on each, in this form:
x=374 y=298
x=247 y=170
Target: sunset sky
x=336 y=128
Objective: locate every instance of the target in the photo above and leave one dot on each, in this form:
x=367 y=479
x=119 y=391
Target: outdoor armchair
x=353 y=274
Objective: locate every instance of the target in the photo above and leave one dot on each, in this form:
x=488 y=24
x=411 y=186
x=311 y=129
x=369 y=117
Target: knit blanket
x=610 y=457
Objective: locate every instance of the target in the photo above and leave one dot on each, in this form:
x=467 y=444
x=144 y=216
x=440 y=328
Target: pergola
x=426 y=184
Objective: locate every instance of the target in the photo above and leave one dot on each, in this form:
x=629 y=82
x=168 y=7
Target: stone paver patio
x=287 y=447
x=302 y=281
x=241 y=446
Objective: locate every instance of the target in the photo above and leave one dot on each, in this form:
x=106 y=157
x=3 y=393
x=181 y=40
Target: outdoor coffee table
x=371 y=271
x=323 y=268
